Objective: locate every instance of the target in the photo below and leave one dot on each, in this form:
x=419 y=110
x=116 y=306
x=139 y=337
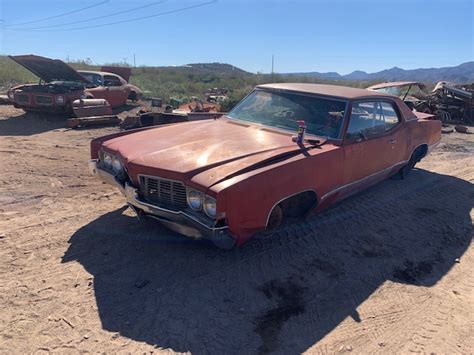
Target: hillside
x=463 y=73
x=194 y=79
x=181 y=81
x=175 y=81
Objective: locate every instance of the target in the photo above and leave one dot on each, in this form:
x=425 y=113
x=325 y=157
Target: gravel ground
x=388 y=270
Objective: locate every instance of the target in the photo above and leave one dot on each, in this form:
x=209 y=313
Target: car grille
x=44 y=100
x=21 y=98
x=163 y=192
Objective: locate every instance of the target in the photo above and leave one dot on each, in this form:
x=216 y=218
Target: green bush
x=233 y=99
x=181 y=82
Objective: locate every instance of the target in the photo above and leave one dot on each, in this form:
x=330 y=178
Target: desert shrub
x=183 y=81
x=233 y=99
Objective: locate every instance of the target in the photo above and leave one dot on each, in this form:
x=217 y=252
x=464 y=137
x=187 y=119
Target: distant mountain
x=463 y=73
x=329 y=75
x=216 y=68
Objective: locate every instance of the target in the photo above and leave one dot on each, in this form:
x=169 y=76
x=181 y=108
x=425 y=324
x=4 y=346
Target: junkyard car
x=411 y=92
x=60 y=85
x=229 y=178
x=447 y=101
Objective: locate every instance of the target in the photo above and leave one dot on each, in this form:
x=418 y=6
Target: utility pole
x=273 y=62
x=134 y=61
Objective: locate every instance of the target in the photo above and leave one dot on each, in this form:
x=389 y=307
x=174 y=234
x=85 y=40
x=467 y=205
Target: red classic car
x=229 y=178
x=60 y=85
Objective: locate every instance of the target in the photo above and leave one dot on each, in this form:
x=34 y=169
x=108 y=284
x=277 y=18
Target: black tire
x=133 y=96
x=224 y=242
x=415 y=158
x=405 y=170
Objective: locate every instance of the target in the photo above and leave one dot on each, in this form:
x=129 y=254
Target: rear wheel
x=417 y=155
x=133 y=96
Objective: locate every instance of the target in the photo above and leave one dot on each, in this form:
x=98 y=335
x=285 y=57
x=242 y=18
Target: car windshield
x=94 y=78
x=322 y=116
x=392 y=90
x=402 y=91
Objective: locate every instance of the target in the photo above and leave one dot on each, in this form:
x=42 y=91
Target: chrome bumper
x=177 y=221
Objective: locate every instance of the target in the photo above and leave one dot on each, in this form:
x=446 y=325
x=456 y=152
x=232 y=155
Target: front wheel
x=274 y=221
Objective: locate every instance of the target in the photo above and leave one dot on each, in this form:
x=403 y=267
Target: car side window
x=371 y=118
x=110 y=80
x=366 y=120
x=390 y=115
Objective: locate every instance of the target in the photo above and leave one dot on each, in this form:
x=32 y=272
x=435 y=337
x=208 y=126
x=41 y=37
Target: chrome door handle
x=393 y=141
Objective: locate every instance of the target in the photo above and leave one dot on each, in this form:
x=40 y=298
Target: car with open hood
x=61 y=84
x=284 y=151
x=411 y=92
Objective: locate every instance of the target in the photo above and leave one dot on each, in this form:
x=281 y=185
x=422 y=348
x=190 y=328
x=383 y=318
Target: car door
x=116 y=90
x=395 y=134
x=98 y=90
x=373 y=144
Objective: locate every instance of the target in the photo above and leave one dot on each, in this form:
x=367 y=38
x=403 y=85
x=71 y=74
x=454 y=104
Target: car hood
x=48 y=69
x=190 y=151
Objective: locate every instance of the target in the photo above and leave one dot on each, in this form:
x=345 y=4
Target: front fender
x=96 y=143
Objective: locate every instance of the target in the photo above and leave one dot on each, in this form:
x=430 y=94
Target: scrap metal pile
x=449 y=102
x=453 y=102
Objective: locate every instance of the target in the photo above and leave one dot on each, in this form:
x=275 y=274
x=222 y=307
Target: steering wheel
x=285 y=114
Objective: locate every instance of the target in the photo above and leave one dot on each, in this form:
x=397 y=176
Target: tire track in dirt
x=274 y=257
x=329 y=258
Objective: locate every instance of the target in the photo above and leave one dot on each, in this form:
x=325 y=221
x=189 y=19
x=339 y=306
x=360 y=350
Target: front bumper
x=178 y=221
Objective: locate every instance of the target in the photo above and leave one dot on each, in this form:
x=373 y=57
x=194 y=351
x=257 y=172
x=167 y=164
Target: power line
x=99 y=17
x=123 y=21
x=59 y=15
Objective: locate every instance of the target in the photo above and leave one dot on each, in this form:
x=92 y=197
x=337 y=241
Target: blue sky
x=317 y=35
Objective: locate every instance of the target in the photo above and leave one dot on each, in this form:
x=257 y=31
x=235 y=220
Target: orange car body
x=60 y=85
x=251 y=168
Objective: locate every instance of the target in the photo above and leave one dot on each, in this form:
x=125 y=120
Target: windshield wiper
x=312 y=141
x=315 y=142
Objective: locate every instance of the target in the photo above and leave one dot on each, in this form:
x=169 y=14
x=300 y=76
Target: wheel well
x=421 y=152
x=132 y=95
x=297 y=205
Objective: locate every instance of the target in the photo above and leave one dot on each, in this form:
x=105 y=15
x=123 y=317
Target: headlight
x=10 y=95
x=60 y=100
x=209 y=207
x=116 y=165
x=194 y=200
x=107 y=160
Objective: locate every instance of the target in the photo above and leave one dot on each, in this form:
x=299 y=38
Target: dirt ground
x=389 y=270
